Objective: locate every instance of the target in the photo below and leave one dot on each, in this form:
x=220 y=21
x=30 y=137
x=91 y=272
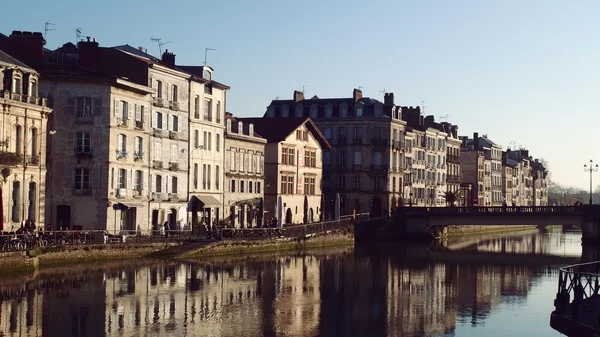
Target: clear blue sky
x=519 y=71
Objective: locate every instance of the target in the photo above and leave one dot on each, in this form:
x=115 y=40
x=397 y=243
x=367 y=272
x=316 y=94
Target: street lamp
x=591 y=169
x=49 y=132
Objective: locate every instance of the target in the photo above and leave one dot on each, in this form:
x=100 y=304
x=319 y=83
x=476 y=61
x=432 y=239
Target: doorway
x=288 y=216
x=173 y=219
x=155 y=225
x=376 y=207
x=63 y=217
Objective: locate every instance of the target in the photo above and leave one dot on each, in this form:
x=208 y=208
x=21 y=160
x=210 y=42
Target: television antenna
x=360 y=88
x=206 y=53
x=48 y=27
x=445 y=118
x=78 y=34
x=383 y=91
x=305 y=89
x=423 y=107
x=158 y=40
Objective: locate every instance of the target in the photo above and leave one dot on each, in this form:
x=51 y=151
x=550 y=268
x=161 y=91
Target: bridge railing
x=344 y=222
x=574 y=210
x=577 y=284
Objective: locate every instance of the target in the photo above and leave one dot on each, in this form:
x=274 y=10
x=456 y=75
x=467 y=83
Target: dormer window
x=328 y=111
x=32 y=88
x=16 y=88
x=359 y=111
x=285 y=112
x=299 y=111
x=207 y=75
x=343 y=110
x=313 y=111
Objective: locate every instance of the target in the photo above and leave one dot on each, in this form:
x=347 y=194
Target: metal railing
x=293 y=231
x=581 y=282
x=570 y=210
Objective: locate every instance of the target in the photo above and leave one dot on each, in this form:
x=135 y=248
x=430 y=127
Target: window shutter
x=177 y=124
x=129 y=179
x=144 y=182
x=138 y=113
x=152 y=183
x=69 y=176
x=115 y=176
x=129 y=112
x=169 y=122
x=96 y=140
x=97 y=106
x=166 y=184
x=154 y=119
x=71 y=141
x=144 y=114
x=71 y=105
x=96 y=177
x=116 y=108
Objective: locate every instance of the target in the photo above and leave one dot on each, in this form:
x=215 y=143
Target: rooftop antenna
x=383 y=91
x=206 y=53
x=48 y=27
x=423 y=107
x=160 y=43
x=512 y=145
x=277 y=98
x=304 y=89
x=360 y=87
x=78 y=34
x=444 y=117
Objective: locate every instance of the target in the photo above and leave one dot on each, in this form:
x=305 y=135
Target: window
x=207 y=89
x=173 y=153
x=159 y=89
x=359 y=111
x=173 y=93
x=357 y=158
x=32 y=88
x=218 y=112
x=327 y=133
x=16 y=192
x=217 y=177
x=327 y=158
x=206 y=75
x=121 y=145
x=242 y=189
x=232 y=156
x=207 y=140
x=17 y=85
x=342 y=183
x=195 y=176
x=139 y=180
x=139 y=148
x=158 y=184
x=122 y=178
x=174 y=123
x=310 y=158
x=204 y=176
x=82 y=179
x=287 y=155
x=357 y=183
x=249 y=187
x=174 y=185
x=83 y=142
x=218 y=143
x=208 y=110
x=197 y=107
x=343 y=110
x=157 y=121
x=309 y=185
x=158 y=151
x=208 y=178
x=258 y=187
x=124 y=110
x=242 y=165
x=328 y=111
x=84 y=108
x=232 y=185
x=287 y=184
x=139 y=113
x=342 y=158
x=196 y=139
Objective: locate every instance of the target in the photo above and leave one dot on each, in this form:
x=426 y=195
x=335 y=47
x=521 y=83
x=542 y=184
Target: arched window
x=32 y=201
x=15 y=200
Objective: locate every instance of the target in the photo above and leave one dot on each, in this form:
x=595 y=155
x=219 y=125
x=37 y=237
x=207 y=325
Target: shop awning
x=132 y=204
x=207 y=201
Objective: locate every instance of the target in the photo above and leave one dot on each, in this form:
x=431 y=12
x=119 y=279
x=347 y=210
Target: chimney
x=228 y=125
x=429 y=120
x=298 y=96
x=140 y=48
x=251 y=130
x=27 y=47
x=240 y=128
x=388 y=99
x=475 y=141
x=356 y=95
x=88 y=53
x=421 y=121
x=168 y=59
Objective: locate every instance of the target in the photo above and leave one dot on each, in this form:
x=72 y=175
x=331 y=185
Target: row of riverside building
x=113 y=138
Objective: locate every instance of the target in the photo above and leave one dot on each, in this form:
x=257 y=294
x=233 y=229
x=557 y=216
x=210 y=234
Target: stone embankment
x=84 y=254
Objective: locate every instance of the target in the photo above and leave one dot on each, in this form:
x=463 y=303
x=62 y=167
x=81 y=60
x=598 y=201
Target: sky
x=524 y=73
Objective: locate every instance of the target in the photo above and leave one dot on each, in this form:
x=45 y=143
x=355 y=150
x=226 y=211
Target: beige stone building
x=492 y=168
x=366 y=162
x=206 y=147
x=244 y=174
x=23 y=133
x=293 y=168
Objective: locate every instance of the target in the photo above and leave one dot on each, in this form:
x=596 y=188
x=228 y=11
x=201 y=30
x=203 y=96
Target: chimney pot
x=357 y=95
x=228 y=125
x=298 y=96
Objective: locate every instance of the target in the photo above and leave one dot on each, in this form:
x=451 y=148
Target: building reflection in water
x=369 y=291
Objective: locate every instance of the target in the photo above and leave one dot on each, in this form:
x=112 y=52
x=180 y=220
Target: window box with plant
x=122 y=154
x=10 y=158
x=138 y=155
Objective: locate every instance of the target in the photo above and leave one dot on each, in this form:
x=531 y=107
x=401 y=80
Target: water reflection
x=392 y=290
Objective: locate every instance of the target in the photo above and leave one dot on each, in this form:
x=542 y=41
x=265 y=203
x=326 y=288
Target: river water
x=495 y=285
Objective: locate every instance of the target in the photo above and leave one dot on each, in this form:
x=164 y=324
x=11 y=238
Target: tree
x=451 y=197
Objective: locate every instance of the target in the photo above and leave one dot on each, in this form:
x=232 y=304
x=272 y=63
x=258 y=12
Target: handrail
x=578 y=210
x=580 y=281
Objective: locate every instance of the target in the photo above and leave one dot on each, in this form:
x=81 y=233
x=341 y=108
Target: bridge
x=433 y=221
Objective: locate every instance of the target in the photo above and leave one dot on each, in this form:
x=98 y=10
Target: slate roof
x=4 y=57
x=275 y=130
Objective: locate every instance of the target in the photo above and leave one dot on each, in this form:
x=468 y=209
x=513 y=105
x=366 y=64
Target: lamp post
x=591 y=169
x=49 y=132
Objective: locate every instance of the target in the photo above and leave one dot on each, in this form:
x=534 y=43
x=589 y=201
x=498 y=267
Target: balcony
x=173 y=166
x=376 y=141
x=173 y=196
x=122 y=122
x=121 y=154
x=173 y=135
x=138 y=193
x=138 y=156
x=453 y=158
x=174 y=105
x=379 y=168
x=8 y=95
x=342 y=140
x=158 y=133
x=158 y=196
x=357 y=141
x=82 y=191
x=357 y=167
x=158 y=101
x=139 y=125
x=10 y=158
x=84 y=152
x=157 y=164
x=33 y=160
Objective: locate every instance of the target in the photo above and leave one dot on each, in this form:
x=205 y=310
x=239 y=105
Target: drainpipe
x=25 y=143
x=189 y=149
x=222 y=173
